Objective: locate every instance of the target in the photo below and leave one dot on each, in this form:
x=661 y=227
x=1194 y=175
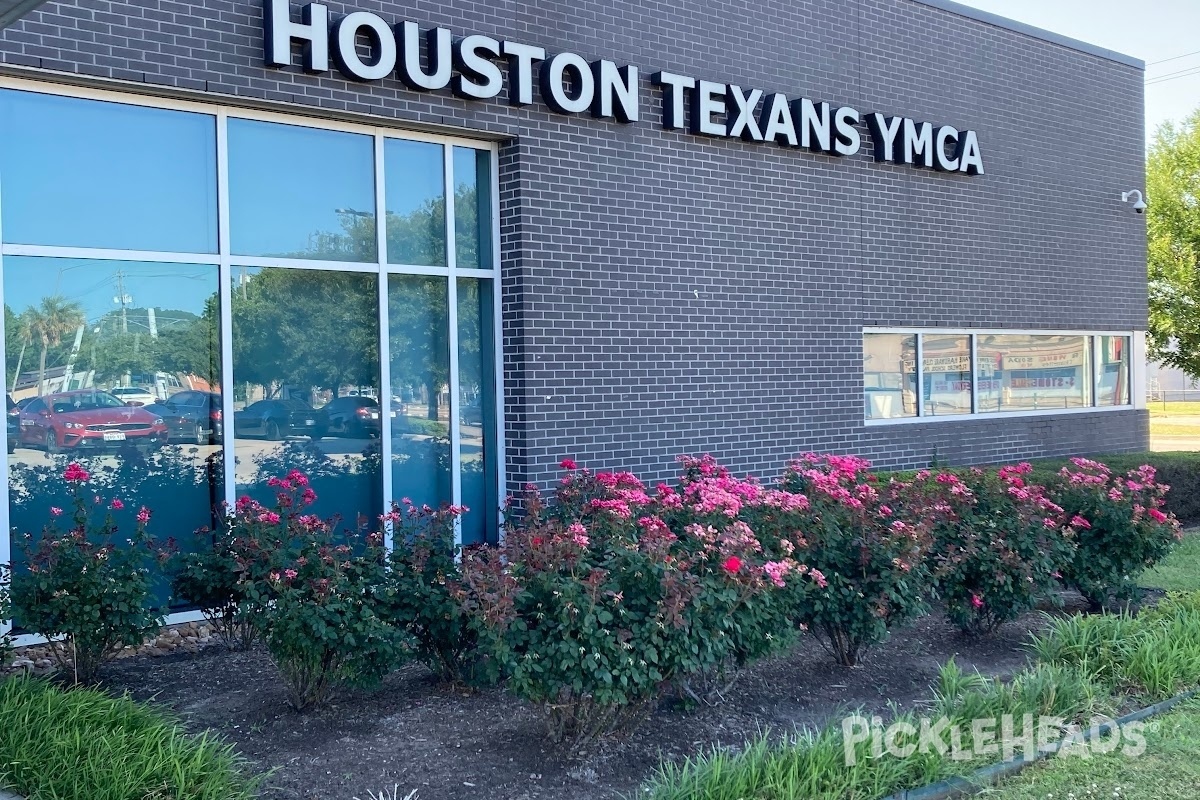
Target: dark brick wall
x=665 y=293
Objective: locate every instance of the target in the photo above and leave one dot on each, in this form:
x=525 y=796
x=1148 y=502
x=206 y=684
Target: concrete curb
x=6 y=796
x=967 y=785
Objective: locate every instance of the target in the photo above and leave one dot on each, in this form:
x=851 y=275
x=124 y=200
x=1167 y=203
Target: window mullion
x=452 y=316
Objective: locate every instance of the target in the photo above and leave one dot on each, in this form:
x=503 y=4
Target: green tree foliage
x=48 y=324
x=306 y=328
x=1173 y=186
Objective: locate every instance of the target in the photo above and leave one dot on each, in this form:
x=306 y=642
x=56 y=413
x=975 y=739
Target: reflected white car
x=134 y=394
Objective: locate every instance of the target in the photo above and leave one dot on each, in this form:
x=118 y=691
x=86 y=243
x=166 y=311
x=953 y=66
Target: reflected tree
x=48 y=323
x=306 y=328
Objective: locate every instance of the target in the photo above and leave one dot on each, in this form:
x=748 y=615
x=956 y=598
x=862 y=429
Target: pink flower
x=309 y=497
x=55 y=511
x=578 y=534
x=568 y=464
x=270 y=517
x=976 y=602
x=1079 y=522
x=819 y=577
x=732 y=565
x=116 y=505
x=76 y=473
x=298 y=478
x=290 y=574
x=1157 y=515
x=143 y=516
x=776 y=570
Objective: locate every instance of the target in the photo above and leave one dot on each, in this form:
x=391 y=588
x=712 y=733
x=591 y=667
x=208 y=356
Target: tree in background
x=48 y=323
x=1173 y=189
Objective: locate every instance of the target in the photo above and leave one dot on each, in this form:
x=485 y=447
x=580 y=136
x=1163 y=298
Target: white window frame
x=1137 y=394
x=225 y=261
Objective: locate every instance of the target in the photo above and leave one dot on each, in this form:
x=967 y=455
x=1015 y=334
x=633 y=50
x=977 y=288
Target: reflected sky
x=86 y=173
x=93 y=284
x=289 y=184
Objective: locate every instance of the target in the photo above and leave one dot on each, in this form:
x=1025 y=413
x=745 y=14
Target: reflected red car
x=88 y=419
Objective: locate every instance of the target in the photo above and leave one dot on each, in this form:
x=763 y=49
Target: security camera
x=1139 y=205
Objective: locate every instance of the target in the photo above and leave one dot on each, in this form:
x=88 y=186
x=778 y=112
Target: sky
x=1152 y=30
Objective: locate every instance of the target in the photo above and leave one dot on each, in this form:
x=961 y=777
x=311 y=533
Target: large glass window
x=945 y=375
x=416 y=203
x=115 y=359
x=85 y=173
x=297 y=192
x=890 y=375
x=306 y=386
x=1112 y=370
x=115 y=365
x=1033 y=372
x=472 y=208
x=419 y=339
x=476 y=410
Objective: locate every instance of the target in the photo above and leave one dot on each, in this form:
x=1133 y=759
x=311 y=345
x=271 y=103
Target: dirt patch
x=417 y=735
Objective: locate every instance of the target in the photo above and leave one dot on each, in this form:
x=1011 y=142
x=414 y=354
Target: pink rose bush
x=88 y=581
x=1121 y=527
x=865 y=545
x=999 y=543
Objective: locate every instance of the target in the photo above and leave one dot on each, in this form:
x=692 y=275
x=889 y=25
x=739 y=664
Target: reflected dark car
x=354 y=416
x=277 y=419
x=202 y=413
x=14 y=424
x=88 y=419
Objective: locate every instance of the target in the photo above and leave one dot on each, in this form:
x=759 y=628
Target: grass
x=83 y=744
x=1168 y=410
x=1082 y=665
x=1178 y=572
x=1168 y=770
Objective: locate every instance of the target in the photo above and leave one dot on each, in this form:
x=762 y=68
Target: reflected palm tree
x=49 y=323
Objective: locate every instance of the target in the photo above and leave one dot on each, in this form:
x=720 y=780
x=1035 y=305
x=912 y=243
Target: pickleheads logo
x=366 y=47
x=1002 y=738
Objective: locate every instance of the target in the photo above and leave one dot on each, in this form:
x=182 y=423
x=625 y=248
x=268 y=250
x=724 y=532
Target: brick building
x=428 y=249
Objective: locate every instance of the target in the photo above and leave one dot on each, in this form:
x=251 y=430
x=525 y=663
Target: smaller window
x=945 y=375
x=1112 y=370
x=889 y=375
x=472 y=208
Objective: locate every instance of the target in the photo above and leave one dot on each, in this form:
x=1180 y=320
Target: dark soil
x=415 y=734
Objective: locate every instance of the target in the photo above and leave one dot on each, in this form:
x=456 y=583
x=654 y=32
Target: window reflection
x=1020 y=372
x=306 y=386
x=297 y=192
x=472 y=208
x=115 y=365
x=476 y=410
x=889 y=375
x=86 y=173
x=416 y=202
x=1112 y=371
x=419 y=330
x=945 y=375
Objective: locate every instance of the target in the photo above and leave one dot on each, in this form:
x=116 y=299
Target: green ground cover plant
x=1081 y=666
x=83 y=744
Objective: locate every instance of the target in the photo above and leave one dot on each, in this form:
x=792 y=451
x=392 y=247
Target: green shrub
x=868 y=544
x=1121 y=527
x=999 y=544
x=5 y=615
x=82 y=586
x=212 y=579
x=319 y=599
x=85 y=745
x=418 y=594
x=594 y=607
